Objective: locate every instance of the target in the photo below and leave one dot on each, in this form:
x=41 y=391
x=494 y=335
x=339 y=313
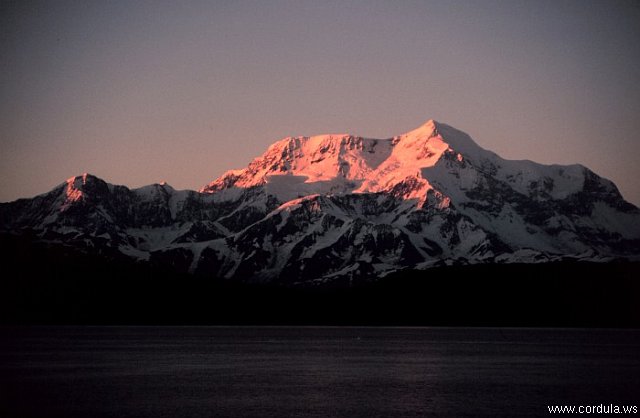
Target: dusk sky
x=141 y=92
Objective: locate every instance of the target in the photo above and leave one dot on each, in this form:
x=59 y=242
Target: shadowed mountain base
x=64 y=287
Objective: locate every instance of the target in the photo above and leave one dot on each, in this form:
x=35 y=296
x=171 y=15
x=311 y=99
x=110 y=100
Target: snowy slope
x=340 y=206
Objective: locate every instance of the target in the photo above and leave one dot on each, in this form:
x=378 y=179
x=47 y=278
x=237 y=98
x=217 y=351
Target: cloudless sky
x=139 y=92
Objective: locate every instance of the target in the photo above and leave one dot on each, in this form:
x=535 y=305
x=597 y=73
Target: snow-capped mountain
x=336 y=206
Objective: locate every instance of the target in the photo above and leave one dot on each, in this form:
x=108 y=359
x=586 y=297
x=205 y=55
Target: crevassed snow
x=164 y=192
x=150 y=239
x=134 y=252
x=605 y=217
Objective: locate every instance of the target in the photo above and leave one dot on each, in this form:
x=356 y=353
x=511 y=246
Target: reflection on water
x=299 y=371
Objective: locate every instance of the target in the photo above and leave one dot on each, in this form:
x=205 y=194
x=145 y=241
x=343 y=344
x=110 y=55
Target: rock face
x=336 y=207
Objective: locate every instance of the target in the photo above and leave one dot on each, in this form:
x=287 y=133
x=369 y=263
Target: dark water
x=319 y=372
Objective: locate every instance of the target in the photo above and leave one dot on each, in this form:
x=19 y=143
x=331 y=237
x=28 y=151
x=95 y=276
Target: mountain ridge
x=314 y=209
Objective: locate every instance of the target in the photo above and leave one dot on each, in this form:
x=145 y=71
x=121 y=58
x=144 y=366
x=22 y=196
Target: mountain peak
x=429 y=128
x=75 y=185
x=77 y=188
x=81 y=179
x=74 y=190
x=457 y=140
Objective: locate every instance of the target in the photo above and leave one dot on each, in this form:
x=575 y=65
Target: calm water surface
x=318 y=372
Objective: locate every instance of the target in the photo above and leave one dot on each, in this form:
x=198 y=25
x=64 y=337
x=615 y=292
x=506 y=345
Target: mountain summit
x=330 y=207
x=344 y=163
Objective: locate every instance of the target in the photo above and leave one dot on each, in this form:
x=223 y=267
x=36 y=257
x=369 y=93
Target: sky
x=140 y=92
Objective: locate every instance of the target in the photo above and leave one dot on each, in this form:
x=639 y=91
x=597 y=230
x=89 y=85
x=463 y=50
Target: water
x=317 y=372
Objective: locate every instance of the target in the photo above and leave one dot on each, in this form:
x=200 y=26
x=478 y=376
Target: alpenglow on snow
x=330 y=207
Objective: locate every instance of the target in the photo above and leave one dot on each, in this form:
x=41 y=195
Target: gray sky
x=140 y=92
